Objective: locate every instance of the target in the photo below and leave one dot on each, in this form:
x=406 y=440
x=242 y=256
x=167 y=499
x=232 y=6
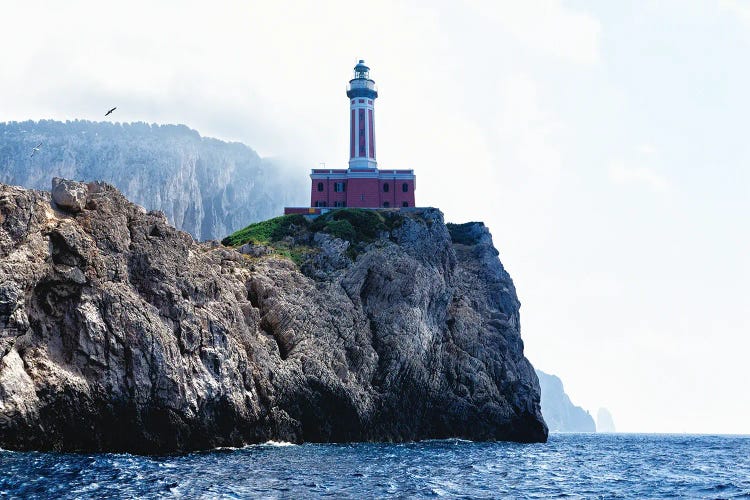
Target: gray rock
x=255 y=250
x=127 y=335
x=69 y=195
x=206 y=187
x=331 y=257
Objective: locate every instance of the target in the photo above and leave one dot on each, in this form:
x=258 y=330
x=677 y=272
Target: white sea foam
x=255 y=445
x=278 y=443
x=446 y=440
x=228 y=448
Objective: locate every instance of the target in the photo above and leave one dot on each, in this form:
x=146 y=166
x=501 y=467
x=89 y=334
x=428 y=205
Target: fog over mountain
x=604 y=421
x=205 y=186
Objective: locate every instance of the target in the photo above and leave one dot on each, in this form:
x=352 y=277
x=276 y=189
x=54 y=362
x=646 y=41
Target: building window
x=386 y=204
x=321 y=204
x=339 y=187
x=386 y=187
x=362 y=197
x=404 y=187
x=361 y=101
x=405 y=204
x=339 y=204
x=320 y=186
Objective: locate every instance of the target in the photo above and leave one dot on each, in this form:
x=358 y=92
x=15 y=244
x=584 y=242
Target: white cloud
x=623 y=173
x=741 y=9
x=528 y=133
x=547 y=26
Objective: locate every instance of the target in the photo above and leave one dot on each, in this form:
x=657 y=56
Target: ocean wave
x=446 y=440
x=274 y=444
x=568 y=465
x=278 y=443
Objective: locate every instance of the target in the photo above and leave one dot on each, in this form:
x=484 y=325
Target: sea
x=567 y=466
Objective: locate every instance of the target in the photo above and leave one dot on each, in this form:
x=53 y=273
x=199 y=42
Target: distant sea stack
x=604 y=421
x=206 y=187
x=560 y=414
x=121 y=333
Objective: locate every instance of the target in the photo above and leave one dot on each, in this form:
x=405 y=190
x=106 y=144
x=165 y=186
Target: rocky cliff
x=560 y=414
x=206 y=187
x=604 y=421
x=119 y=332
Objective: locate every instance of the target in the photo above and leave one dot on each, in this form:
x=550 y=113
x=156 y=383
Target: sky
x=605 y=145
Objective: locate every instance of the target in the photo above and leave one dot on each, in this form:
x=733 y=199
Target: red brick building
x=362 y=185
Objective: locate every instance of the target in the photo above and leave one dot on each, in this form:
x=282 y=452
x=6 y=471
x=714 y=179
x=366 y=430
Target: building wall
x=396 y=196
x=363 y=191
x=328 y=195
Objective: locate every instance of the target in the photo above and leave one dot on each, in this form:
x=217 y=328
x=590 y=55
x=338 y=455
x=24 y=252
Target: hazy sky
x=605 y=144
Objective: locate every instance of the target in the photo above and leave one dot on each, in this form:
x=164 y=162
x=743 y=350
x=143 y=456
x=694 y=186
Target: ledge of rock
x=69 y=195
x=120 y=333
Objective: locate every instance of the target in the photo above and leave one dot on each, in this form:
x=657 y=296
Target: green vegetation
x=341 y=229
x=462 y=233
x=296 y=254
x=268 y=231
x=272 y=233
x=357 y=226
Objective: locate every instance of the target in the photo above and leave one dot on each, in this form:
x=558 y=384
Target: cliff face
x=560 y=414
x=206 y=187
x=119 y=332
x=604 y=421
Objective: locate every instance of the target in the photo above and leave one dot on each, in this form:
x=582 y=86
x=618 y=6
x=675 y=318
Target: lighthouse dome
x=361 y=85
x=361 y=70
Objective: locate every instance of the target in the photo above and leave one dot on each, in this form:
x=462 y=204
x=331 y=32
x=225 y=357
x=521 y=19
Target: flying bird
x=110 y=111
x=37 y=148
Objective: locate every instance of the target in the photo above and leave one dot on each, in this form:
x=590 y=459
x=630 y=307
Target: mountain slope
x=206 y=187
x=559 y=411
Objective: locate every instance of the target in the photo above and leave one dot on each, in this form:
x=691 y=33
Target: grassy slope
x=350 y=224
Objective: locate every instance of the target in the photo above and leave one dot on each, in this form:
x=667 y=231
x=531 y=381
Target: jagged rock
x=69 y=195
x=331 y=258
x=255 y=250
x=122 y=333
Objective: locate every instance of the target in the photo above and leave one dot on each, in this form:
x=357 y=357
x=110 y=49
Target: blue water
x=569 y=465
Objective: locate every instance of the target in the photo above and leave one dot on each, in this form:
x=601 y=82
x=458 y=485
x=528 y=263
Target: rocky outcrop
x=69 y=195
x=560 y=414
x=604 y=421
x=204 y=186
x=119 y=332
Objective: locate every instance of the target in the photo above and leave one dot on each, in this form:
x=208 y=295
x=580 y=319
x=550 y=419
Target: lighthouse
x=363 y=184
x=362 y=93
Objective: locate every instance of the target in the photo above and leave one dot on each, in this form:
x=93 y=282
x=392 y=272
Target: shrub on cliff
x=365 y=224
x=341 y=229
x=268 y=231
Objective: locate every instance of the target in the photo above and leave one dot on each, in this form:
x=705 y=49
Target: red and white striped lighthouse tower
x=362 y=92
